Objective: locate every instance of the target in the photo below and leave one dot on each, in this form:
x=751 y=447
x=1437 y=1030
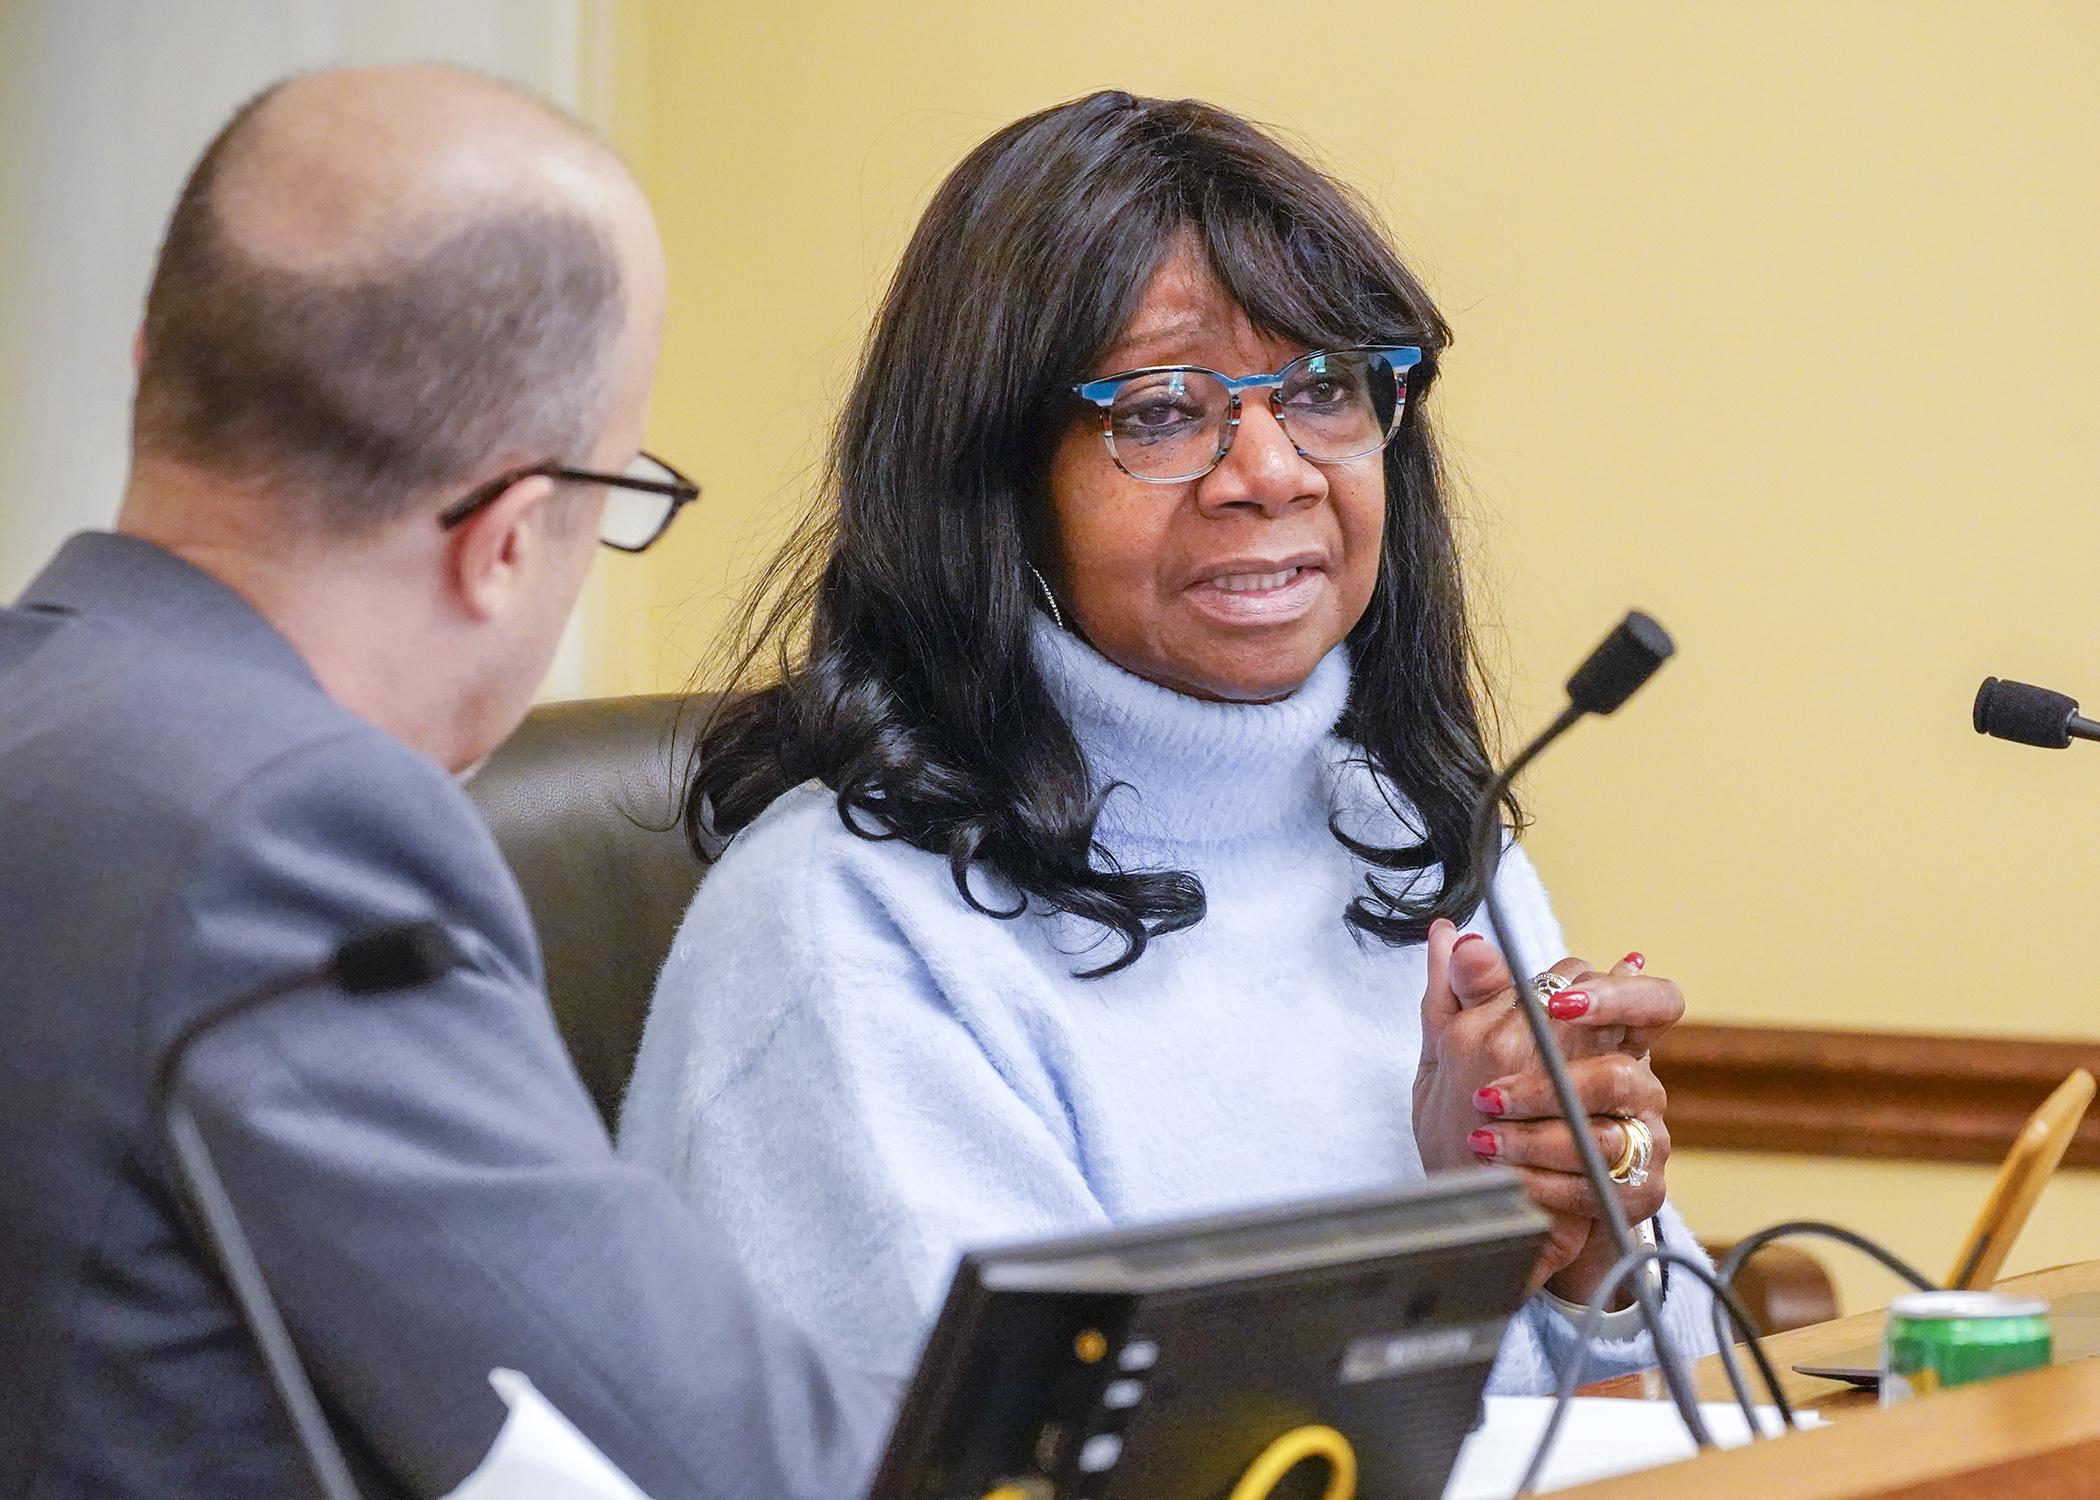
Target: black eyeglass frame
x=682 y=491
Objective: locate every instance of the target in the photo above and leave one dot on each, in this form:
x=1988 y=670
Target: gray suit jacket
x=184 y=814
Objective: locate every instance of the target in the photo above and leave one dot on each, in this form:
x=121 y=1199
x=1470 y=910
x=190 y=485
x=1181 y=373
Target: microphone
x=2029 y=715
x=1611 y=674
x=404 y=956
x=1626 y=658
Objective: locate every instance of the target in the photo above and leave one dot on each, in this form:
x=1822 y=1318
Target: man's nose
x=1263 y=471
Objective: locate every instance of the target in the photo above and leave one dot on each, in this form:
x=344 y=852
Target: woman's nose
x=1263 y=470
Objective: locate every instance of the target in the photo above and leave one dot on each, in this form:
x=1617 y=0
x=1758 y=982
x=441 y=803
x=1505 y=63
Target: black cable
x=1749 y=1246
x=1722 y=1282
x=1593 y=1315
x=1487 y=834
x=1740 y=1255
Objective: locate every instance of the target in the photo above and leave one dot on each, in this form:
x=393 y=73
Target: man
x=229 y=738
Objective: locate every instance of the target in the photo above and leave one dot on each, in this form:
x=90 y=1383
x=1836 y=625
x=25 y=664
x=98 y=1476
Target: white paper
x=539 y=1455
x=1601 y=1436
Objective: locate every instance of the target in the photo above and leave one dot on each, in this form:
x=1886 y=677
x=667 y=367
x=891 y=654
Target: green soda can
x=1936 y=1340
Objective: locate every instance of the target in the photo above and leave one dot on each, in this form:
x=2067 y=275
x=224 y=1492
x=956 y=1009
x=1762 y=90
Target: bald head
x=337 y=172
x=382 y=283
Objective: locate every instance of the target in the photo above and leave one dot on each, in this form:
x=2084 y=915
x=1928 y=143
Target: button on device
x=1139 y=1354
x=1100 y=1452
x=1122 y=1394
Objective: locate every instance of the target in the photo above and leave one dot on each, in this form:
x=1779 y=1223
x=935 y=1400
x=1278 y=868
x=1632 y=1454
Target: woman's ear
x=493 y=554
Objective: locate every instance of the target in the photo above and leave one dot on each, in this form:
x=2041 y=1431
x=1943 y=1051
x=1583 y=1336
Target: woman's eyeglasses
x=1173 y=423
x=640 y=502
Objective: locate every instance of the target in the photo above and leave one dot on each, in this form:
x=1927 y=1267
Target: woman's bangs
x=1304 y=284
x=1105 y=286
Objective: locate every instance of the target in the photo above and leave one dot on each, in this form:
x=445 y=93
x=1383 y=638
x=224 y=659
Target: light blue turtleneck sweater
x=856 y=1075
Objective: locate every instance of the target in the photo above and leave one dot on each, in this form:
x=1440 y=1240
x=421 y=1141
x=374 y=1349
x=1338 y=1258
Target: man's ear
x=138 y=350
x=491 y=556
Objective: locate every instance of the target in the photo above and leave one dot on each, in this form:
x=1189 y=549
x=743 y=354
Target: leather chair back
x=583 y=801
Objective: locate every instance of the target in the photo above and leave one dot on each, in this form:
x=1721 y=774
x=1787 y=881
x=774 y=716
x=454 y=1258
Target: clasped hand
x=1481 y=1093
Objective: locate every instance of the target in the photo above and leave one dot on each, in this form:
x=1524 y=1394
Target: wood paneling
x=1864 y=1093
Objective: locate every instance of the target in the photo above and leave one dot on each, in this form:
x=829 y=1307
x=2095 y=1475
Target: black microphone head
x=402 y=957
x=1624 y=660
x=2024 y=714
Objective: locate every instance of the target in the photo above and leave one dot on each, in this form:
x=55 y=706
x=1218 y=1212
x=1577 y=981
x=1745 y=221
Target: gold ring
x=1631 y=1169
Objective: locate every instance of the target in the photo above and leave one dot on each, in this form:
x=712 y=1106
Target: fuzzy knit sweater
x=856 y=1075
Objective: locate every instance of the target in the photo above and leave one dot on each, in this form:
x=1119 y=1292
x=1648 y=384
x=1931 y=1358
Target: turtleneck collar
x=1195 y=773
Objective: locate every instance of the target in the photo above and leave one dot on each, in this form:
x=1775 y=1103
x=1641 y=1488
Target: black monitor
x=1157 y=1363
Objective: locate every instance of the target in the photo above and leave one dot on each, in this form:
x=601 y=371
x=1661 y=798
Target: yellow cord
x=1263 y=1475
x=1292 y=1449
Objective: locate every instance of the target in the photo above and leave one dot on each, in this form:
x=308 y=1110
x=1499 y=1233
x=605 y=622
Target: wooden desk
x=2027 y=1437
x=1832 y=1398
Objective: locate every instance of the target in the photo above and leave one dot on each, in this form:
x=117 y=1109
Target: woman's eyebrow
x=1124 y=355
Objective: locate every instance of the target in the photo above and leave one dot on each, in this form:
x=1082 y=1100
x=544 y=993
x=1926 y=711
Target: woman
x=1089 y=863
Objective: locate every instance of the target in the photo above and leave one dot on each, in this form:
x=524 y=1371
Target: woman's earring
x=1048 y=597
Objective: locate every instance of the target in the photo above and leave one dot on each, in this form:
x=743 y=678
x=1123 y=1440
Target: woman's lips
x=1258 y=598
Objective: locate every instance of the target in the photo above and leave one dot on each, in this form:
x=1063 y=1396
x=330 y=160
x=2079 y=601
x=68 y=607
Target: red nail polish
x=1634 y=962
x=1567 y=1005
x=1489 y=1101
x=1483 y=1143
x=1471 y=937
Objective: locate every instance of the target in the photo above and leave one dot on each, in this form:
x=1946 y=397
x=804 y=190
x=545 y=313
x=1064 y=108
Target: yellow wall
x=1775 y=319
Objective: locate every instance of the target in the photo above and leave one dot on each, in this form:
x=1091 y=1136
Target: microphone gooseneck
x=404 y=956
x=209 y=1200
x=1613 y=672
x=2029 y=715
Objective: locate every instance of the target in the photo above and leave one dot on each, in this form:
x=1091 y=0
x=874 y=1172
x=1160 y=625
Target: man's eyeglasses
x=640 y=502
x=1172 y=423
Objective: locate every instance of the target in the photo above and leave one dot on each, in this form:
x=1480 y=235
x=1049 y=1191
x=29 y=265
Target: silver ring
x=1631 y=1169
x=1549 y=983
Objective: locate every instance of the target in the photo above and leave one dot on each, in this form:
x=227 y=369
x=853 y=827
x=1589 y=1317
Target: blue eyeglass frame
x=1102 y=393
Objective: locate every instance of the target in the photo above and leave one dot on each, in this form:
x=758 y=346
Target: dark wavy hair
x=899 y=614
